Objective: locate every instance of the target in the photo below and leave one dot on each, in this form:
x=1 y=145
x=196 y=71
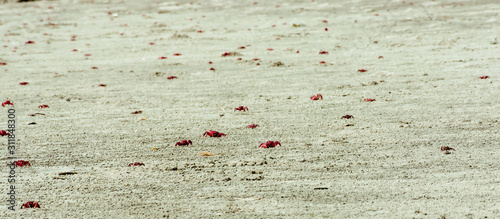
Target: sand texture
x=420 y=60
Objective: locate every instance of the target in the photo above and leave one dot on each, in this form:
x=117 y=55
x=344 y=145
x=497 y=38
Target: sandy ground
x=385 y=162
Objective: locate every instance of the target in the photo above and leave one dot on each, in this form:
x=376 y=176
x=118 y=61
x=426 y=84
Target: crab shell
x=30 y=204
x=21 y=163
x=7 y=103
x=215 y=134
x=317 y=97
x=270 y=144
x=183 y=142
x=240 y=108
x=252 y=126
x=136 y=164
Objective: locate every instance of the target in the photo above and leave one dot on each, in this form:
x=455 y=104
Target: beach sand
x=423 y=60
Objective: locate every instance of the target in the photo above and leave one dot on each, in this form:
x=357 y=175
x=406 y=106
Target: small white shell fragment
x=494 y=41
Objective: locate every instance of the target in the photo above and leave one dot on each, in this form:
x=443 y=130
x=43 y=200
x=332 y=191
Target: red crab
x=252 y=126
x=21 y=163
x=136 y=112
x=323 y=53
x=212 y=69
x=322 y=62
x=3 y=63
x=177 y=54
x=362 y=70
x=30 y=204
x=24 y=83
x=368 y=100
x=172 y=77
x=347 y=117
x=484 y=77
x=183 y=142
x=214 y=134
x=240 y=108
x=163 y=57
x=29 y=42
x=7 y=103
x=136 y=164
x=4 y=133
x=43 y=106
x=446 y=148
x=102 y=85
x=317 y=97
x=226 y=54
x=270 y=144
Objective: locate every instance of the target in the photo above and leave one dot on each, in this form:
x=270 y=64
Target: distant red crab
x=30 y=204
x=43 y=106
x=136 y=112
x=252 y=126
x=317 y=97
x=368 y=100
x=102 y=85
x=270 y=144
x=136 y=164
x=29 y=42
x=347 y=117
x=226 y=54
x=4 y=133
x=240 y=108
x=24 y=83
x=7 y=103
x=446 y=148
x=362 y=70
x=183 y=142
x=323 y=53
x=177 y=54
x=484 y=77
x=172 y=77
x=21 y=163
x=214 y=134
x=163 y=57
